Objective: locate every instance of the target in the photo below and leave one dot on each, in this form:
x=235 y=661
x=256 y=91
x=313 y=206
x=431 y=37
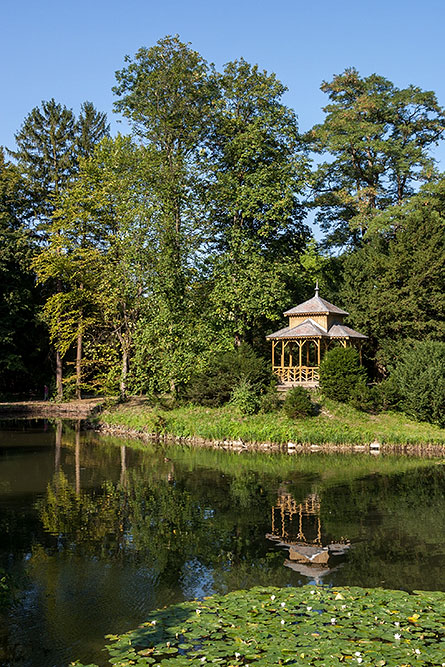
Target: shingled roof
x=308 y=329
x=342 y=331
x=305 y=329
x=314 y=306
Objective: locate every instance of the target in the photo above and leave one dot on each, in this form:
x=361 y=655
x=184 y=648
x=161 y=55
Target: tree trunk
x=59 y=387
x=123 y=384
x=79 y=365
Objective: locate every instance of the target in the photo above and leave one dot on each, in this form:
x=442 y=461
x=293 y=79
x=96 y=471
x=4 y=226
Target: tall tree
x=46 y=155
x=105 y=228
x=49 y=145
x=22 y=348
x=166 y=93
x=378 y=139
x=394 y=285
x=91 y=128
x=256 y=171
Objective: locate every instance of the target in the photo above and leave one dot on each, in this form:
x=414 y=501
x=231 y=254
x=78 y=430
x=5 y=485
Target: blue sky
x=70 y=50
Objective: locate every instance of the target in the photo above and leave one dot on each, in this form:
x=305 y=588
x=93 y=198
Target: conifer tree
x=378 y=139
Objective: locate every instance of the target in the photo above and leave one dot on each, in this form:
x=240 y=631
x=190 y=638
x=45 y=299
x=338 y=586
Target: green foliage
x=269 y=626
x=244 y=398
x=419 y=375
x=365 y=398
x=378 y=137
x=270 y=400
x=160 y=251
x=387 y=394
x=335 y=424
x=340 y=372
x=298 y=403
x=225 y=372
x=22 y=339
x=46 y=154
x=394 y=286
x=255 y=169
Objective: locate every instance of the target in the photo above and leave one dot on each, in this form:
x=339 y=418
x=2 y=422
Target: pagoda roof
x=342 y=331
x=315 y=306
x=306 y=329
x=310 y=329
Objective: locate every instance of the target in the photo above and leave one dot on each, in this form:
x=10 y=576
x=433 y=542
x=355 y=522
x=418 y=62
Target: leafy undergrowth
x=336 y=424
x=291 y=626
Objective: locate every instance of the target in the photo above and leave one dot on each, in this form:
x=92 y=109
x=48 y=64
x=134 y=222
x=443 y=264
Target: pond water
x=94 y=533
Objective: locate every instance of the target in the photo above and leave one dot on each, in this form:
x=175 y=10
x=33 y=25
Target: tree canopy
x=140 y=259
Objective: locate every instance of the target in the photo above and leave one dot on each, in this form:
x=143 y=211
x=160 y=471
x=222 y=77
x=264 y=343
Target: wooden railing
x=297 y=373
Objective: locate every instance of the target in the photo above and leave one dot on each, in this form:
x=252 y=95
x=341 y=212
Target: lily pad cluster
x=310 y=625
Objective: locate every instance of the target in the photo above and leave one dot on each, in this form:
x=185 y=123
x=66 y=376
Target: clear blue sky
x=70 y=50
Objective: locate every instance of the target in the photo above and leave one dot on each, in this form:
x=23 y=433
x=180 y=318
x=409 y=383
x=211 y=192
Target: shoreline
x=419 y=450
x=78 y=409
x=89 y=410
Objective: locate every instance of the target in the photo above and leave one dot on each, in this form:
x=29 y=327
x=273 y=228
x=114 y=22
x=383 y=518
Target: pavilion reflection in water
x=297 y=527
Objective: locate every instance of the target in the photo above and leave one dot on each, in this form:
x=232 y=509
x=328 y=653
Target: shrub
x=244 y=398
x=226 y=371
x=340 y=373
x=419 y=376
x=270 y=401
x=298 y=403
x=365 y=398
x=387 y=394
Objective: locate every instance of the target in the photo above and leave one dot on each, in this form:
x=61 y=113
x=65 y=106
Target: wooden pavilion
x=314 y=327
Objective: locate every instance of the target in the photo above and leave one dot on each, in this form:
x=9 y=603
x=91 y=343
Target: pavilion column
x=300 y=344
x=282 y=354
x=273 y=354
x=318 y=350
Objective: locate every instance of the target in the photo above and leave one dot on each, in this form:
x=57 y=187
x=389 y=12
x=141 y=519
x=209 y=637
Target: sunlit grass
x=336 y=424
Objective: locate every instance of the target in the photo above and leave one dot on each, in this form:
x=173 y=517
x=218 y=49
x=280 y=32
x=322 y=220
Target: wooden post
x=273 y=354
x=318 y=350
x=300 y=343
x=282 y=354
x=290 y=355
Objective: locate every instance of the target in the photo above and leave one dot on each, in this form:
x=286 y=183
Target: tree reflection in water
x=119 y=531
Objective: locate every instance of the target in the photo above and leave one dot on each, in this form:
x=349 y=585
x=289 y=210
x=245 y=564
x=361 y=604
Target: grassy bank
x=297 y=626
x=336 y=423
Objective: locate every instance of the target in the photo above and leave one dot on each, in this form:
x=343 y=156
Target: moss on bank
x=336 y=423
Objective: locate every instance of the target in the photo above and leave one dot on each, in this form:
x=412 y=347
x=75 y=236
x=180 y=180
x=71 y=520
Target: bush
x=419 y=376
x=365 y=398
x=340 y=373
x=226 y=371
x=244 y=398
x=298 y=403
x=387 y=394
x=270 y=401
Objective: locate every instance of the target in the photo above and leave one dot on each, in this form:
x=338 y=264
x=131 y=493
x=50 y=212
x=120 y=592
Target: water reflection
x=96 y=534
x=297 y=528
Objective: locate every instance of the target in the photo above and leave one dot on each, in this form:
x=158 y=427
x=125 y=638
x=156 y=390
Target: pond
x=95 y=533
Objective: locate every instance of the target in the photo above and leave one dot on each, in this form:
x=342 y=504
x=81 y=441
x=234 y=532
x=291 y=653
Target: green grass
x=337 y=424
x=296 y=626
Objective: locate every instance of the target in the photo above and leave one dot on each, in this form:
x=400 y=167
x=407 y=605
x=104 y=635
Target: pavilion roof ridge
x=306 y=329
x=314 y=306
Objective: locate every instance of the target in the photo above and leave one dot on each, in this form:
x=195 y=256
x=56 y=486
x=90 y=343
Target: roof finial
x=316 y=288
